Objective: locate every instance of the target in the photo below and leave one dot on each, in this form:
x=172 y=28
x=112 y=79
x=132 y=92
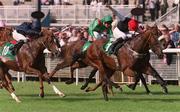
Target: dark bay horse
x=134 y=56
x=29 y=59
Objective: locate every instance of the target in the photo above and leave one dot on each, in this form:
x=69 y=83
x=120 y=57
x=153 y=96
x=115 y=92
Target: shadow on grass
x=125 y=96
x=153 y=93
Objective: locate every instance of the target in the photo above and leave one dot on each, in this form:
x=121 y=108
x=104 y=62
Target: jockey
x=24 y=32
x=101 y=28
x=97 y=29
x=126 y=27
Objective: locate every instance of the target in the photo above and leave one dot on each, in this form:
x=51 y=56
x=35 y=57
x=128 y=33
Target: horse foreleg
x=9 y=80
x=151 y=71
x=6 y=86
x=30 y=70
x=144 y=82
x=71 y=80
x=57 y=91
x=41 y=87
x=92 y=74
x=94 y=88
x=1 y=86
x=105 y=90
x=133 y=85
x=137 y=76
x=72 y=68
x=63 y=63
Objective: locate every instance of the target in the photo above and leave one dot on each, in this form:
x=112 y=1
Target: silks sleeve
x=94 y=26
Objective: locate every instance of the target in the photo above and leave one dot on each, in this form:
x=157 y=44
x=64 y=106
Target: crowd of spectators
x=156 y=8
x=171 y=39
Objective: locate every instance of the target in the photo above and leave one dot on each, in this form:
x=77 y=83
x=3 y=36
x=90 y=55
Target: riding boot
x=16 y=47
x=76 y=56
x=112 y=49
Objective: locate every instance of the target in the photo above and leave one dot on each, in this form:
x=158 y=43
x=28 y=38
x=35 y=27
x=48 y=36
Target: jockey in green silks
x=99 y=29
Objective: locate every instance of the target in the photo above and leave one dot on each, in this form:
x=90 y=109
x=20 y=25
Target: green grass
x=79 y=101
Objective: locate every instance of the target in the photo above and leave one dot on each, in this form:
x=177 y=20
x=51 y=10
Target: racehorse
x=93 y=57
x=135 y=56
x=29 y=59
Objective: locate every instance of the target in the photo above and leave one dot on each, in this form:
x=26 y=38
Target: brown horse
x=135 y=56
x=93 y=57
x=29 y=59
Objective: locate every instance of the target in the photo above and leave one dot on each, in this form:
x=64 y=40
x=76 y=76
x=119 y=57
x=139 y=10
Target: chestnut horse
x=29 y=59
x=93 y=57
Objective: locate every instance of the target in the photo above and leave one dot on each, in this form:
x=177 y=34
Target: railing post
x=18 y=76
x=178 y=12
x=97 y=77
x=77 y=76
x=178 y=67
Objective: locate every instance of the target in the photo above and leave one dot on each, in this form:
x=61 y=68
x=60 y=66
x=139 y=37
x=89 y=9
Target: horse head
x=6 y=33
x=50 y=41
x=152 y=39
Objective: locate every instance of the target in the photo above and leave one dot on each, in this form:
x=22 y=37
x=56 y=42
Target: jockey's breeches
x=17 y=36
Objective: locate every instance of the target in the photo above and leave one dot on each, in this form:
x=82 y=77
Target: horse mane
x=6 y=34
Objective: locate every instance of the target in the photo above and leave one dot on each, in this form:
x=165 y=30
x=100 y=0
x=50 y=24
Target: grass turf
x=77 y=100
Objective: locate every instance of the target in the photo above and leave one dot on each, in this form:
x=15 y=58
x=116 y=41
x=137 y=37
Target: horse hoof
x=131 y=86
x=41 y=95
x=120 y=89
x=106 y=99
x=62 y=95
x=18 y=101
x=149 y=93
x=69 y=82
x=83 y=87
x=165 y=92
x=87 y=90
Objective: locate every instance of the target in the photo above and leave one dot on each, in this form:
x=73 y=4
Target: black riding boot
x=112 y=48
x=16 y=47
x=77 y=56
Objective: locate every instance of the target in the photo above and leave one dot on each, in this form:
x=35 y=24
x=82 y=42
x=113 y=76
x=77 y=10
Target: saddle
x=14 y=49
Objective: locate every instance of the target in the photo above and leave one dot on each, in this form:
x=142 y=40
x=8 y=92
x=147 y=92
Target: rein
x=146 y=42
x=43 y=44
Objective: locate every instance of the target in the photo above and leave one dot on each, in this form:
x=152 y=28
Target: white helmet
x=2 y=24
